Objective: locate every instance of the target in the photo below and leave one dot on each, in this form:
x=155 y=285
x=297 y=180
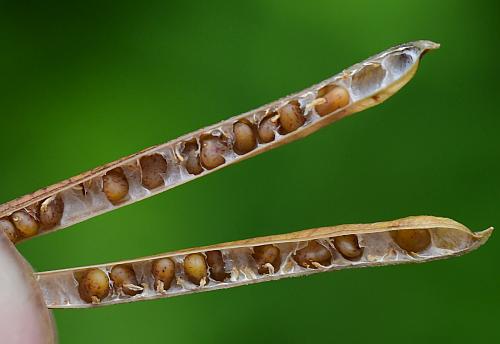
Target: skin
x=348 y=246
x=311 y=255
x=25 y=318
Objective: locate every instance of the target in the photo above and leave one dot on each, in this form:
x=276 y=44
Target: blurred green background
x=82 y=84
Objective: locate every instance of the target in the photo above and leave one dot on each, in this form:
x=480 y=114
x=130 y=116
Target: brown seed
x=348 y=246
x=163 y=270
x=312 y=255
x=93 y=285
x=291 y=117
x=212 y=152
x=9 y=229
x=25 y=223
x=115 y=185
x=216 y=266
x=267 y=128
x=123 y=276
x=195 y=268
x=51 y=211
x=265 y=255
x=153 y=168
x=244 y=137
x=335 y=97
x=192 y=160
x=412 y=240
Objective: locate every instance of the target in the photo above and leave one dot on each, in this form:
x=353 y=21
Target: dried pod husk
x=299 y=253
x=206 y=150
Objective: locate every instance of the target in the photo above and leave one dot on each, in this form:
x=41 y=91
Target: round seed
x=216 y=266
x=266 y=255
x=25 y=223
x=348 y=246
x=335 y=97
x=412 y=240
x=9 y=229
x=244 y=137
x=267 y=128
x=51 y=211
x=123 y=276
x=192 y=160
x=163 y=270
x=153 y=168
x=212 y=152
x=195 y=268
x=93 y=285
x=312 y=255
x=115 y=185
x=291 y=117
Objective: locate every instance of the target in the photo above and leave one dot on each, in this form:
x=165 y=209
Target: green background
x=84 y=84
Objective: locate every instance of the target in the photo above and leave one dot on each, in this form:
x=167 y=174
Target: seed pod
x=267 y=127
x=123 y=277
x=212 y=152
x=335 y=97
x=216 y=265
x=93 y=286
x=201 y=152
x=195 y=268
x=267 y=258
x=348 y=246
x=191 y=157
x=245 y=139
x=280 y=256
x=9 y=229
x=412 y=240
x=153 y=168
x=163 y=270
x=115 y=185
x=312 y=256
x=291 y=117
x=51 y=211
x=25 y=223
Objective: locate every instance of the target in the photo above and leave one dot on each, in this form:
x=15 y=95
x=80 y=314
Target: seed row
x=165 y=166
x=203 y=269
